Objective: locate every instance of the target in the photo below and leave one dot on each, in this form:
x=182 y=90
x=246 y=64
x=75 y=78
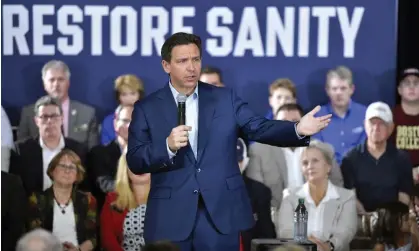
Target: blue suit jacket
x=176 y=183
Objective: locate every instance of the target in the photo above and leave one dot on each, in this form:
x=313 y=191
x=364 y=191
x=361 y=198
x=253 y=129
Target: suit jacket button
x=198 y=170
x=195 y=191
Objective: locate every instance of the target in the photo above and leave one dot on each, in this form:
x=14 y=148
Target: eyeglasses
x=46 y=117
x=71 y=168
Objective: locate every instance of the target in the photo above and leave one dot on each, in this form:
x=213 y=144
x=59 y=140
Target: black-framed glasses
x=46 y=117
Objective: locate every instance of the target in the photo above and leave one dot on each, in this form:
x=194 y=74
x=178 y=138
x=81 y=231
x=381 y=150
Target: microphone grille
x=181 y=98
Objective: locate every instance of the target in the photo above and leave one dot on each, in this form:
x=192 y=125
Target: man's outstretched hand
x=310 y=125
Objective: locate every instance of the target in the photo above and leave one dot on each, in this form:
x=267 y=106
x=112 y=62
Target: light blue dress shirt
x=191 y=119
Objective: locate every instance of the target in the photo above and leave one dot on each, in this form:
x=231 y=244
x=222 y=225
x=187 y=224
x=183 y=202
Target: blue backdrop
x=253 y=42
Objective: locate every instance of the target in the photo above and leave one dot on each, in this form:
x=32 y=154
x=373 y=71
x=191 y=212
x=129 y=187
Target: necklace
x=62 y=207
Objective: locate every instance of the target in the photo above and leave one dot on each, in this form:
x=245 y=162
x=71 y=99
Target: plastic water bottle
x=300 y=222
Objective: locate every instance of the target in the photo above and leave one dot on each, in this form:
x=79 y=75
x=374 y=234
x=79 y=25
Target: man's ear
x=166 y=66
x=352 y=88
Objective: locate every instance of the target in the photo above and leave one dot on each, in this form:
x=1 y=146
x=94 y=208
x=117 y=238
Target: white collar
x=331 y=193
x=176 y=93
x=61 y=144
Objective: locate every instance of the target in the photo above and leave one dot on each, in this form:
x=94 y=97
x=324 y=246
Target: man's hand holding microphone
x=178 y=137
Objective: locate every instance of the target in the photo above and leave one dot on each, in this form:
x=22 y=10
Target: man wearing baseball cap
x=406 y=117
x=378 y=171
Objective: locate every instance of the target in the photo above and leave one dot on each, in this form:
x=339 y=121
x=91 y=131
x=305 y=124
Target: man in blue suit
x=197 y=197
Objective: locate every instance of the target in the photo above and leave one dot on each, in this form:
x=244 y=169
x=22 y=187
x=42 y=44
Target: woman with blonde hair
x=122 y=217
x=128 y=89
x=62 y=209
x=332 y=218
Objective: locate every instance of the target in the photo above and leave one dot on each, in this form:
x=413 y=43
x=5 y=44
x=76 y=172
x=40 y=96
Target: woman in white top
x=332 y=219
x=64 y=210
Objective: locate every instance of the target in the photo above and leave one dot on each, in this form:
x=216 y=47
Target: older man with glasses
x=32 y=156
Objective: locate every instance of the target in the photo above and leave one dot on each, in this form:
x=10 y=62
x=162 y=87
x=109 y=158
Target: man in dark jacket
x=260 y=198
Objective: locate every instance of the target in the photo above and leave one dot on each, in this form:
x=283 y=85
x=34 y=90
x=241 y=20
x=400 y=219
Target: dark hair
x=416 y=190
x=73 y=157
x=161 y=246
x=180 y=38
x=47 y=100
x=212 y=70
x=385 y=222
x=290 y=107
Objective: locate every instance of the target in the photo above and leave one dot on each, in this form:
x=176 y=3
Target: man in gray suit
x=280 y=168
x=79 y=119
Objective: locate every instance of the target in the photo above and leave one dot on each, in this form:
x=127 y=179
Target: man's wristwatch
x=332 y=246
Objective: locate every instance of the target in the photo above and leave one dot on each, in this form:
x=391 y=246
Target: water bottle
x=300 y=222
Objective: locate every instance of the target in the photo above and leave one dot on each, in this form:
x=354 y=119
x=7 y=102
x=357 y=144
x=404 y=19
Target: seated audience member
x=212 y=76
x=345 y=129
x=79 y=120
x=13 y=211
x=128 y=88
x=391 y=227
x=103 y=159
x=39 y=240
x=377 y=171
x=7 y=143
x=62 y=209
x=280 y=168
x=33 y=155
x=260 y=198
x=122 y=217
x=281 y=91
x=406 y=118
x=332 y=221
x=160 y=246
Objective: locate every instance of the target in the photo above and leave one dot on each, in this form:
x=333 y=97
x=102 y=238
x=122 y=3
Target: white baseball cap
x=379 y=110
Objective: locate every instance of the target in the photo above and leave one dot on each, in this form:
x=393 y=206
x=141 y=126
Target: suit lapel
x=330 y=211
x=282 y=163
x=169 y=109
x=205 y=115
x=38 y=164
x=72 y=118
x=49 y=209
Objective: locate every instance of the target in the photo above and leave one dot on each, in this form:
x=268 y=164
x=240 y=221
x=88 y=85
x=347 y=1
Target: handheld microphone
x=181 y=109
